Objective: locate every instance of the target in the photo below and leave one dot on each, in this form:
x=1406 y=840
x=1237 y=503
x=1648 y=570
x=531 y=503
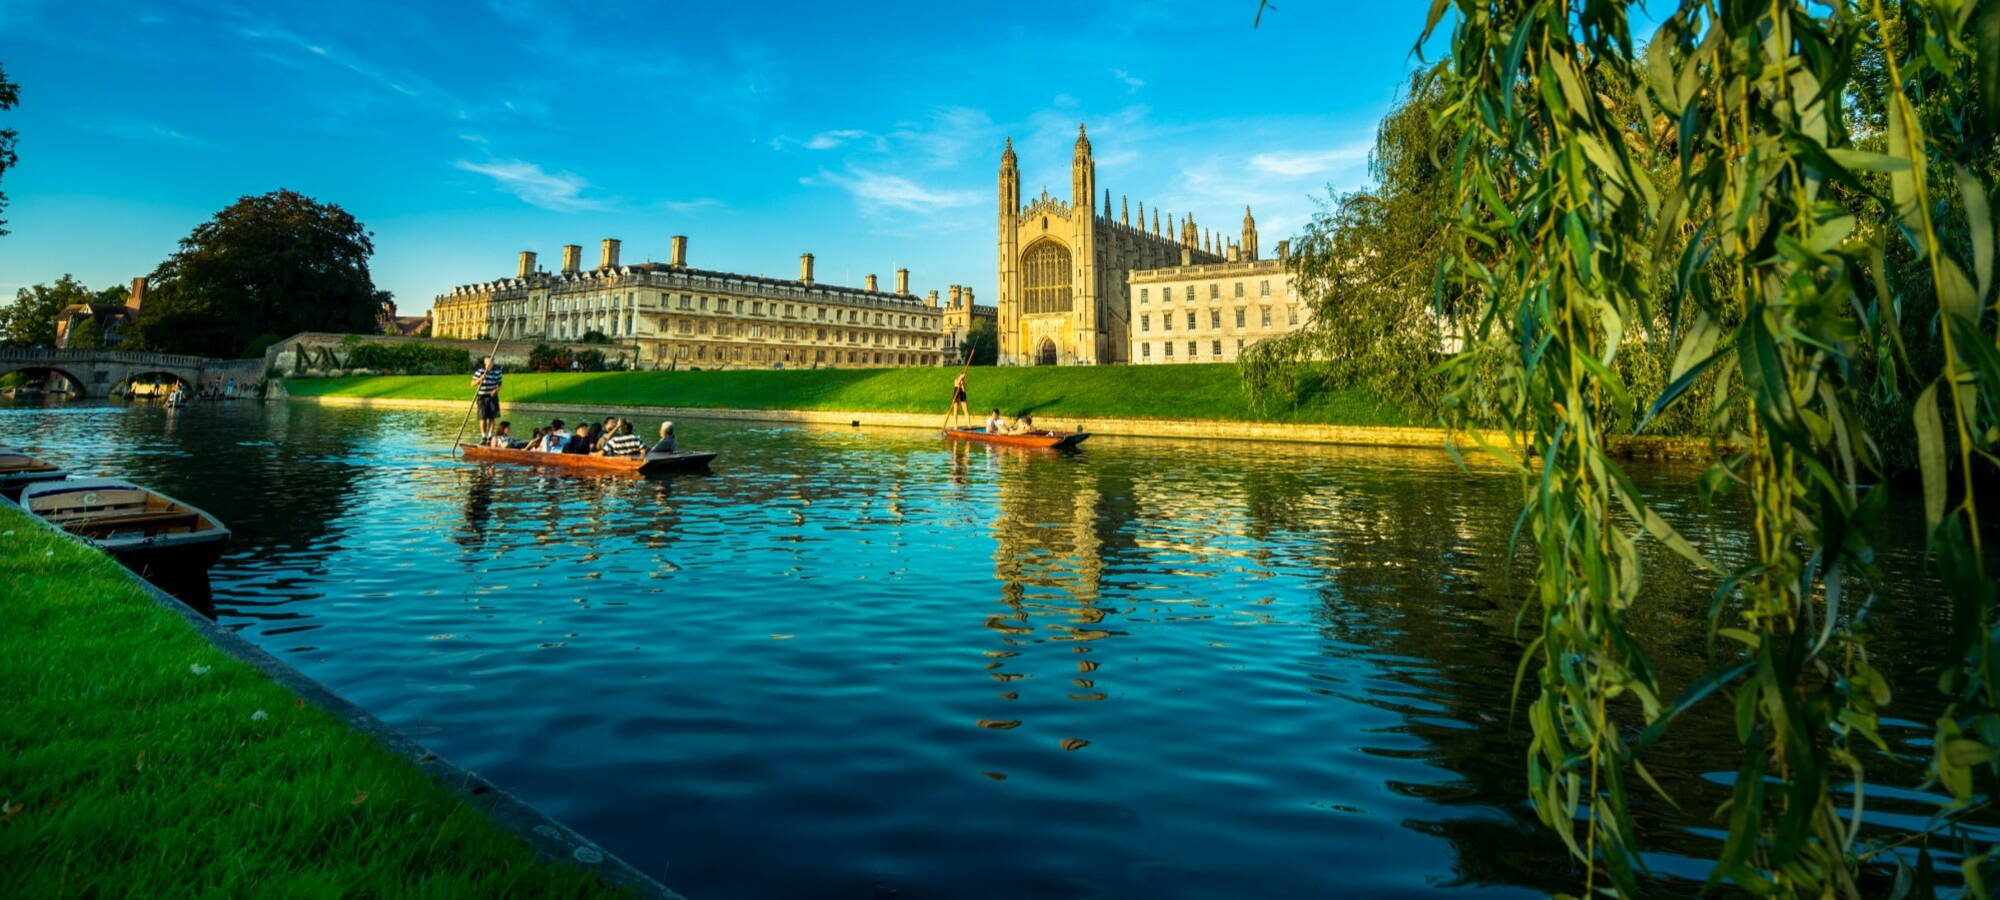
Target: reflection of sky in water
x=855 y=659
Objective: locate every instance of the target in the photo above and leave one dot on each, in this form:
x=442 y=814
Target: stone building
x=113 y=319
x=960 y=312
x=681 y=316
x=1210 y=312
x=1064 y=265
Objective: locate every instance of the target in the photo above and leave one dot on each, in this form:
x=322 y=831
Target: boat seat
x=70 y=503
x=151 y=521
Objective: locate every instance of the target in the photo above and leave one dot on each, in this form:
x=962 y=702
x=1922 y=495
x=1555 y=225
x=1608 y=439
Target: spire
x=1107 y=203
x=1083 y=175
x=1249 y=245
x=1156 y=218
x=1125 y=211
x=1007 y=160
x=1082 y=141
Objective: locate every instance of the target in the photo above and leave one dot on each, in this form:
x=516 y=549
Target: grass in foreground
x=134 y=762
x=1073 y=392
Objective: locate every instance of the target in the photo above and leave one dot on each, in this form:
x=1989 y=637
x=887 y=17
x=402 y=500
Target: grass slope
x=126 y=772
x=1081 y=392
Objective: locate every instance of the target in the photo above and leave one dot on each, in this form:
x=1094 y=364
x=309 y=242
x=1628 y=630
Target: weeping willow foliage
x=1720 y=200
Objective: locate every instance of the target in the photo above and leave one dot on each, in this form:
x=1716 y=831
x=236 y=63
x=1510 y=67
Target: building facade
x=683 y=317
x=960 y=312
x=1210 y=313
x=1065 y=265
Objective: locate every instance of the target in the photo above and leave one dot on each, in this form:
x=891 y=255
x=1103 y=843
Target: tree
x=10 y=94
x=279 y=262
x=30 y=321
x=594 y=336
x=983 y=341
x=85 y=334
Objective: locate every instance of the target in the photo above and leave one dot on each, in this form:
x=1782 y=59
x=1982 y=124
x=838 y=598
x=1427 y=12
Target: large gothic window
x=1045 y=272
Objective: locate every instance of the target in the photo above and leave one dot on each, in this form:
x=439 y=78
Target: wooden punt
x=684 y=461
x=146 y=530
x=18 y=469
x=1052 y=440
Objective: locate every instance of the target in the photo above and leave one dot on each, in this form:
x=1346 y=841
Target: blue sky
x=865 y=133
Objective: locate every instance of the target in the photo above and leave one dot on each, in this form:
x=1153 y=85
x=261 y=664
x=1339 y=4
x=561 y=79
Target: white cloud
x=688 y=206
x=875 y=192
x=1132 y=82
x=559 y=191
x=827 y=140
x=1296 y=164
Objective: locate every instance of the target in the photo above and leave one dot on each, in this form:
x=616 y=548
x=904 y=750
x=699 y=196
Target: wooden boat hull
x=1045 y=440
x=149 y=532
x=18 y=470
x=686 y=461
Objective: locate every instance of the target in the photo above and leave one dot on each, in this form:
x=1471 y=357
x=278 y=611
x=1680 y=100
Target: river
x=864 y=663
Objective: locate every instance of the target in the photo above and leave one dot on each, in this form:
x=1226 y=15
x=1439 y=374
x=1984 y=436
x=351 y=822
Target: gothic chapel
x=1063 y=265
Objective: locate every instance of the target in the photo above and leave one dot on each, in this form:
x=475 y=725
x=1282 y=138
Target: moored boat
x=150 y=532
x=684 y=461
x=1053 y=440
x=18 y=469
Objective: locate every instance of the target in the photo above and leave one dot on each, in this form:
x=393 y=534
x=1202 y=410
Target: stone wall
x=282 y=356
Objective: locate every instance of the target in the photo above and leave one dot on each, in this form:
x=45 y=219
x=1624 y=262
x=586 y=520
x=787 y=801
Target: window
x=1215 y=319
x=1239 y=317
x=1214 y=290
x=1145 y=323
x=757 y=308
x=1167 y=322
x=1215 y=347
x=1167 y=347
x=1191 y=348
x=1263 y=289
x=1142 y=295
x=1239 y=289
x=788 y=310
x=1191 y=325
x=1267 y=316
x=1190 y=293
x=1291 y=315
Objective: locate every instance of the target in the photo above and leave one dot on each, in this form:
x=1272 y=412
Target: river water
x=864 y=663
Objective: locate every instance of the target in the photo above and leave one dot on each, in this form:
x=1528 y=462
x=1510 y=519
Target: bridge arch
x=77 y=385
x=166 y=379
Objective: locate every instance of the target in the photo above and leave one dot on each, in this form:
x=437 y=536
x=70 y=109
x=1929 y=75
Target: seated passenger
x=993 y=423
x=666 y=445
x=624 y=443
x=556 y=439
x=503 y=437
x=1026 y=424
x=580 y=441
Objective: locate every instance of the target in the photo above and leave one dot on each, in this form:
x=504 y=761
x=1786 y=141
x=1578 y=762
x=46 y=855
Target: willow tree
x=1765 y=247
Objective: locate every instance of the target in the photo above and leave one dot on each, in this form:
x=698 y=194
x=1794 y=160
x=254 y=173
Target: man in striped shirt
x=624 y=443
x=486 y=385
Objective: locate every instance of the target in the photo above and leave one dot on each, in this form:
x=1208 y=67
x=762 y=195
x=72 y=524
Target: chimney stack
x=931 y=300
x=138 y=295
x=527 y=264
x=968 y=298
x=871 y=281
x=1285 y=249
x=903 y=282
x=572 y=258
x=680 y=257
x=957 y=295
x=806 y=268
x=607 y=254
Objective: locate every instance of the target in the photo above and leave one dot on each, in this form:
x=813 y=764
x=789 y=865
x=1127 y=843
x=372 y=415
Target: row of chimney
x=607 y=258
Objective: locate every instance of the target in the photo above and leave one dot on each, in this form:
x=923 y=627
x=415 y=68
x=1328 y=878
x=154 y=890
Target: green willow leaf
x=1979 y=221
x=1930 y=454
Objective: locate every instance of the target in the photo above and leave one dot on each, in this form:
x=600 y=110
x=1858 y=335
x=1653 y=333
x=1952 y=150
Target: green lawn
x=138 y=760
x=1081 y=392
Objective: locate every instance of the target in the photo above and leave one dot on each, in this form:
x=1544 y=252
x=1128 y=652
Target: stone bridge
x=97 y=373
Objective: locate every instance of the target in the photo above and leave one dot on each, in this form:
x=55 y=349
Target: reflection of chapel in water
x=1056 y=524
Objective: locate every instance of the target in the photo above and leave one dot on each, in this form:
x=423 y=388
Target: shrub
x=411 y=356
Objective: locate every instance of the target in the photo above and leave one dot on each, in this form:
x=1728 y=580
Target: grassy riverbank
x=137 y=759
x=1082 y=392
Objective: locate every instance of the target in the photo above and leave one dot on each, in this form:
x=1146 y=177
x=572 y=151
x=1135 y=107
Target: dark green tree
x=10 y=94
x=279 y=262
x=595 y=337
x=85 y=334
x=983 y=340
x=30 y=321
